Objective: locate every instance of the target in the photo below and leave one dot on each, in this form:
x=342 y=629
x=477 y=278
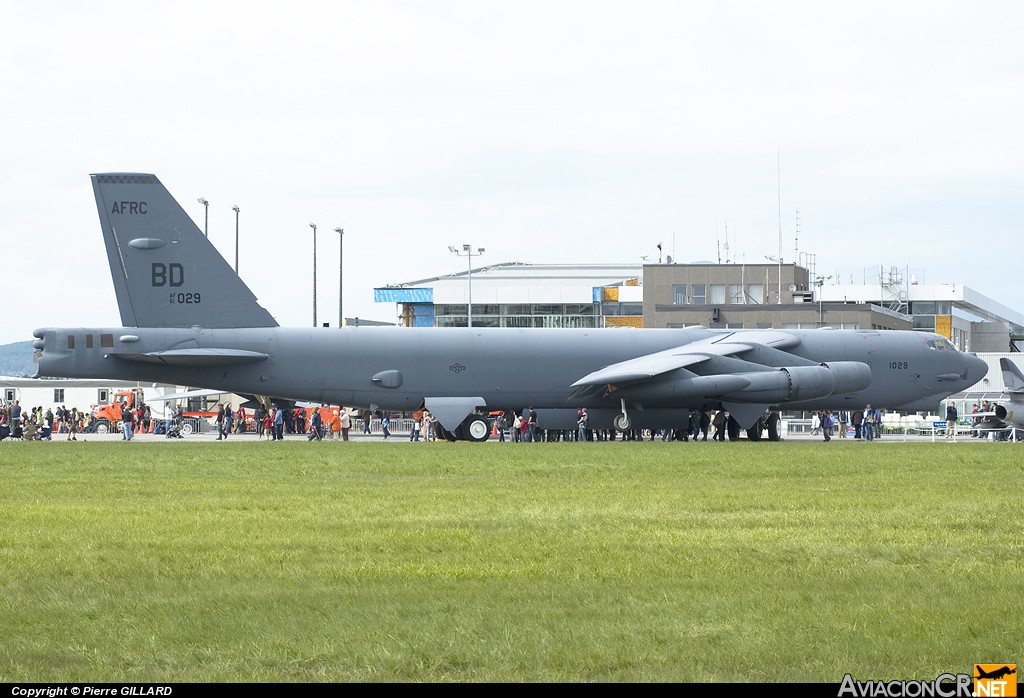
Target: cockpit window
x=941 y=344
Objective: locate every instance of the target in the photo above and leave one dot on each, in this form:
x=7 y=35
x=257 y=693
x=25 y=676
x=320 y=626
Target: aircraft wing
x=169 y=397
x=643 y=367
x=651 y=365
x=746 y=387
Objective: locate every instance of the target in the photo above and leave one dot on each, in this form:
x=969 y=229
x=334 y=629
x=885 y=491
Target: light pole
x=313 y=226
x=467 y=252
x=236 y=210
x=819 y=282
x=341 y=253
x=206 y=218
x=779 y=260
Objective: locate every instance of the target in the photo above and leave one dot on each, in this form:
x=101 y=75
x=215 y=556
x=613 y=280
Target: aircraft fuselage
x=397 y=368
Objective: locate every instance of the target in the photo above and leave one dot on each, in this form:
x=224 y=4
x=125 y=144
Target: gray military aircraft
x=188 y=319
x=1009 y=412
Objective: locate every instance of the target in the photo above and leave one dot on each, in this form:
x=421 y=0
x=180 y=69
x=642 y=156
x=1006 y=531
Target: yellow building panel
x=610 y=293
x=624 y=321
x=632 y=282
x=944 y=326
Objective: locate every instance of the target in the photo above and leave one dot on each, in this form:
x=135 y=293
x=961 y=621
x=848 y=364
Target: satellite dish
x=792 y=287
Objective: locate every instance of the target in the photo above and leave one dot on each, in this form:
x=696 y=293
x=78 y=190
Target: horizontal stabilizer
x=196 y=357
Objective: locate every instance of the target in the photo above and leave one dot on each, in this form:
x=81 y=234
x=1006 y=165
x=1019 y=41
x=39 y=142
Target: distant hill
x=16 y=359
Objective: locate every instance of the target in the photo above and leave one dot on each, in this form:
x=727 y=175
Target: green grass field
x=621 y=562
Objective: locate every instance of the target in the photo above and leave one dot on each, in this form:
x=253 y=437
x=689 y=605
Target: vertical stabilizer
x=166 y=272
x=1013 y=379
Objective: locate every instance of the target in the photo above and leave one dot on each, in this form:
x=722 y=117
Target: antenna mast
x=718 y=241
x=778 y=163
x=796 y=237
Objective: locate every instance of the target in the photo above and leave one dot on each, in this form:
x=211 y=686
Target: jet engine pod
x=683 y=388
x=785 y=385
x=1009 y=416
x=849 y=376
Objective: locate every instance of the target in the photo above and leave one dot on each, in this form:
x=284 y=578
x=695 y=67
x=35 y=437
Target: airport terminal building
x=749 y=296
x=515 y=294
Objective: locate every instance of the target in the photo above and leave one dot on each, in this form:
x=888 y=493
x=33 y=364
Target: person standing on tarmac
x=719 y=423
x=951 y=417
x=126 y=422
x=346 y=424
x=844 y=419
x=278 y=424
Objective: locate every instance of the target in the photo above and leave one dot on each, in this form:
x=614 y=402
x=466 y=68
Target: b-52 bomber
x=188 y=319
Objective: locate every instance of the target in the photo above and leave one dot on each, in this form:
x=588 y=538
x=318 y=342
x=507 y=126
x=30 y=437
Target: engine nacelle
x=786 y=385
x=1010 y=414
x=801 y=383
x=775 y=386
x=682 y=389
x=849 y=376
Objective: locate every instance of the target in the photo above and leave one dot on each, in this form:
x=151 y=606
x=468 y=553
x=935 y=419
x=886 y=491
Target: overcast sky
x=546 y=132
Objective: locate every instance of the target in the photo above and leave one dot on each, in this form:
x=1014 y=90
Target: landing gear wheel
x=621 y=422
x=446 y=435
x=773 y=426
x=476 y=428
x=754 y=432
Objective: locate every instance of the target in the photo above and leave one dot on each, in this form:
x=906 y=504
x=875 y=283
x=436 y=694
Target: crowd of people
x=334 y=423
x=525 y=427
x=866 y=423
x=318 y=424
x=35 y=423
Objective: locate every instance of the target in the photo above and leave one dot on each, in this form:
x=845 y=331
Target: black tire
x=101 y=426
x=774 y=422
x=754 y=432
x=621 y=422
x=475 y=428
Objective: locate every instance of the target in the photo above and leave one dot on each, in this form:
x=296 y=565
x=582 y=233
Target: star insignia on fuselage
x=456 y=368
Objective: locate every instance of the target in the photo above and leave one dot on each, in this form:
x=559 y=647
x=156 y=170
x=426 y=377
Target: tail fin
x=166 y=272
x=1013 y=379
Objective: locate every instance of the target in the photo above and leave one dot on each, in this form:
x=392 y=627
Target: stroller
x=175 y=431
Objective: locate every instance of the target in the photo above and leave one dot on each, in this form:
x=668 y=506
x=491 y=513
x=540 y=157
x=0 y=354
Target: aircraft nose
x=976 y=369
